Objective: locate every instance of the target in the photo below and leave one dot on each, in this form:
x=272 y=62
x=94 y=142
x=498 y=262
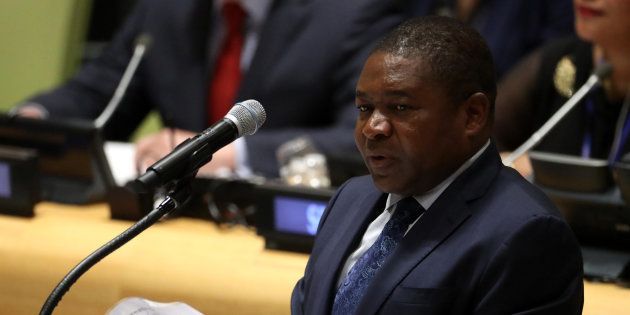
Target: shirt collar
x=427 y=199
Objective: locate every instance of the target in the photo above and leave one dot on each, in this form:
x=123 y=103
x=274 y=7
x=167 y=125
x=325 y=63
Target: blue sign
x=296 y=215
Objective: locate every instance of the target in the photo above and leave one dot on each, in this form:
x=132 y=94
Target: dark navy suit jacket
x=304 y=71
x=490 y=244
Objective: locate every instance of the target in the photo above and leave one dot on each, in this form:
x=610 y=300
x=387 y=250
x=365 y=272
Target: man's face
x=409 y=132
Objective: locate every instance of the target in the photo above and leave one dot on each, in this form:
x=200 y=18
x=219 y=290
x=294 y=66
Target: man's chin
x=387 y=184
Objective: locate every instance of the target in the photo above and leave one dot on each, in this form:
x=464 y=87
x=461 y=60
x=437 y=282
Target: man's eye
x=362 y=108
x=401 y=107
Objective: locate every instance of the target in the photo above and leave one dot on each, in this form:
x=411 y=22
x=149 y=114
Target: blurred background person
x=300 y=59
x=512 y=28
x=598 y=126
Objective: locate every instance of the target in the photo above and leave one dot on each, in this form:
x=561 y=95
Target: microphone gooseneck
x=142 y=44
x=602 y=71
x=243 y=119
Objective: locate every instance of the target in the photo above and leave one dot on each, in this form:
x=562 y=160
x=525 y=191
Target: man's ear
x=477 y=108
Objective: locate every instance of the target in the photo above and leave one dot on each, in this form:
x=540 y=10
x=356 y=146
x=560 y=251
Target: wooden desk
x=214 y=270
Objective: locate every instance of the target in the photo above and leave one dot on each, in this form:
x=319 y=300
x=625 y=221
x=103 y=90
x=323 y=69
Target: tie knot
x=234 y=16
x=407 y=210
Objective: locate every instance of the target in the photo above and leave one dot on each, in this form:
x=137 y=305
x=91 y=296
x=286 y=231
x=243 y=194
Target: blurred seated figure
x=598 y=126
x=300 y=59
x=512 y=28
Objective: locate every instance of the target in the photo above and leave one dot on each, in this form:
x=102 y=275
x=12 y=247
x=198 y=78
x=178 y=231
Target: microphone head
x=144 y=40
x=248 y=116
x=603 y=70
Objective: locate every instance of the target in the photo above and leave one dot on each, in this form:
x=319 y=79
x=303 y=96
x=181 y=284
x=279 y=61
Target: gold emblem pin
x=564 y=77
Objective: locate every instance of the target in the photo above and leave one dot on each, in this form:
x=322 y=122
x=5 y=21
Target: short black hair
x=458 y=57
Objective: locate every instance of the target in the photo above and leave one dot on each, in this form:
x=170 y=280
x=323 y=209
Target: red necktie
x=227 y=71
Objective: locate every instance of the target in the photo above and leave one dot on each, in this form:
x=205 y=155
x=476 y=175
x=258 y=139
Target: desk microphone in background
x=143 y=42
x=243 y=119
x=602 y=71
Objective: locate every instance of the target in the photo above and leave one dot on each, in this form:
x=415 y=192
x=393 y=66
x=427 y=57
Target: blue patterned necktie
x=353 y=286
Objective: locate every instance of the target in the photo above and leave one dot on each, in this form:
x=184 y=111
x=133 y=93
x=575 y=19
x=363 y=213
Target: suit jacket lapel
x=448 y=212
x=336 y=251
x=441 y=220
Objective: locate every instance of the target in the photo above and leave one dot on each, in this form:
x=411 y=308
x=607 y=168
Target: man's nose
x=377 y=126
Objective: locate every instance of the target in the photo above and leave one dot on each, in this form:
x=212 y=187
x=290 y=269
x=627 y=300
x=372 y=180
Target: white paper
x=121 y=157
x=140 y=306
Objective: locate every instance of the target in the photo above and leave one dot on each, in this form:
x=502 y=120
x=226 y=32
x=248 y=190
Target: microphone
x=243 y=119
x=143 y=42
x=602 y=71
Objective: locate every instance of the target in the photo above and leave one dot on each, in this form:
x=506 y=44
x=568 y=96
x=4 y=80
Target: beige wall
x=41 y=43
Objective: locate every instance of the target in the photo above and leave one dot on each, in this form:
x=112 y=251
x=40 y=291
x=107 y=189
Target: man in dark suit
x=441 y=226
x=300 y=59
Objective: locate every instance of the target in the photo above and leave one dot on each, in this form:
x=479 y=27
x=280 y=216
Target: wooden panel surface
x=217 y=271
